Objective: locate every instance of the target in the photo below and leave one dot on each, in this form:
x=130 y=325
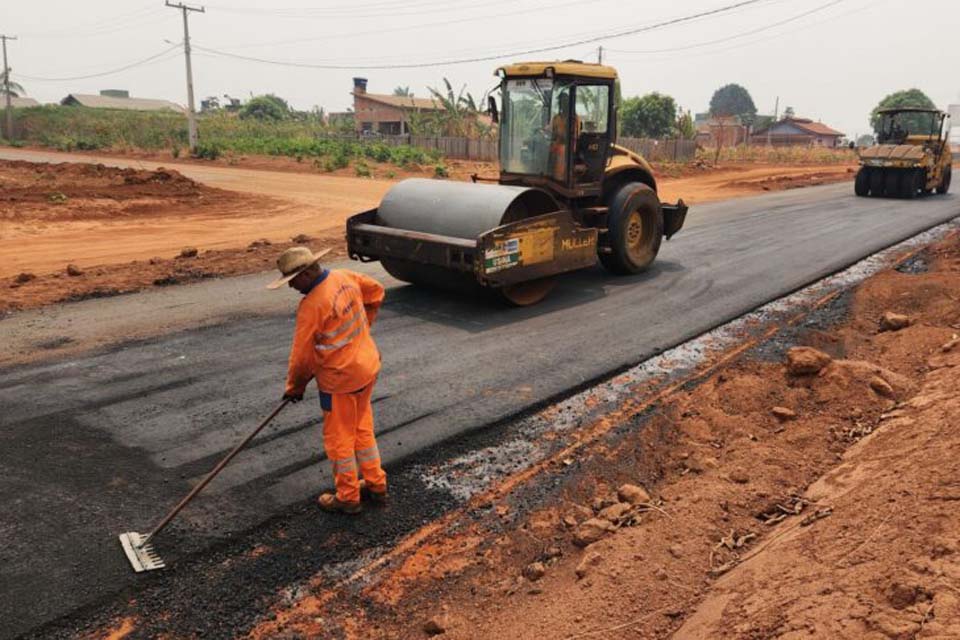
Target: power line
x=113 y=25
x=739 y=35
x=775 y=36
x=102 y=73
x=395 y=9
x=419 y=26
x=511 y=54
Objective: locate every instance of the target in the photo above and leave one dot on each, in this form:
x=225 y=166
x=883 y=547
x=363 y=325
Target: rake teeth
x=142 y=557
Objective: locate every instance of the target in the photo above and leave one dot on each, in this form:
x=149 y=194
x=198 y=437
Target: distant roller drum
x=455 y=209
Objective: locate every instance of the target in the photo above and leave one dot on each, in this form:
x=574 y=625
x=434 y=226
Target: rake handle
x=213 y=474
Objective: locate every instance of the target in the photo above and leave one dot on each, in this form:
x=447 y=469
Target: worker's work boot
x=330 y=502
x=379 y=497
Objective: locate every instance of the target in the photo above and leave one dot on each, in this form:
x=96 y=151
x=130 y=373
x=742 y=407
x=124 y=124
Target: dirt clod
x=301 y=238
x=74 y=270
x=614 y=512
x=262 y=242
x=24 y=278
x=783 y=413
x=893 y=321
x=436 y=625
x=740 y=476
x=591 y=559
x=882 y=387
x=805 y=361
x=590 y=531
x=189 y=252
x=534 y=571
x=633 y=494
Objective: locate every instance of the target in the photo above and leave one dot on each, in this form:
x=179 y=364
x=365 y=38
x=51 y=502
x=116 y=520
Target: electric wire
x=744 y=34
x=113 y=25
x=102 y=73
x=512 y=54
x=415 y=27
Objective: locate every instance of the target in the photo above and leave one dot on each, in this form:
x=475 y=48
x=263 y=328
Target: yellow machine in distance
x=911 y=157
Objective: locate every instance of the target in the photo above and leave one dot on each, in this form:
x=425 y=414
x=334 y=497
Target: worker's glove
x=293 y=397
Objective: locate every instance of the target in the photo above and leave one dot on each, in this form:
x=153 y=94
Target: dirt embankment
x=87 y=221
x=74 y=231
x=795 y=493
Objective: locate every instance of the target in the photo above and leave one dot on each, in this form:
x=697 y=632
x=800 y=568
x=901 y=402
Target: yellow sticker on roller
x=537 y=246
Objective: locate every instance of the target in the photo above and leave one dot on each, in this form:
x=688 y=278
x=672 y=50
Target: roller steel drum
x=460 y=210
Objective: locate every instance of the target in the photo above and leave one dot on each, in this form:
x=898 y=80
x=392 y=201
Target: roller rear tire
x=876 y=183
x=861 y=186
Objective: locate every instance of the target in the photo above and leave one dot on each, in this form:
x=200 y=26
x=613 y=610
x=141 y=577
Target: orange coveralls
x=332 y=343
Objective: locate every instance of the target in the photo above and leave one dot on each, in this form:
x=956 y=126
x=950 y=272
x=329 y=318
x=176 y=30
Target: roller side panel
x=534 y=248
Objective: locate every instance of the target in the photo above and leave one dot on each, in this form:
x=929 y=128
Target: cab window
x=592 y=101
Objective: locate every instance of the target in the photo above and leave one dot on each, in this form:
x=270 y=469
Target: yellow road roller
x=566 y=195
x=911 y=157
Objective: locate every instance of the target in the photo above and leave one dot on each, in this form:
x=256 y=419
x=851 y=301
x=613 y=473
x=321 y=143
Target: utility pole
x=776 y=111
x=6 y=88
x=191 y=112
x=600 y=55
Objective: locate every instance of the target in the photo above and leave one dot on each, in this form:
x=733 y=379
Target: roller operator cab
x=566 y=195
x=912 y=156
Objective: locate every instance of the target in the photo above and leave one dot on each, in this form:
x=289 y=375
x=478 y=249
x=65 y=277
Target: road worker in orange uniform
x=332 y=344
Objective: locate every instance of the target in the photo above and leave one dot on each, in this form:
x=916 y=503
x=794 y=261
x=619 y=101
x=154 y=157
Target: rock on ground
x=633 y=494
x=805 y=361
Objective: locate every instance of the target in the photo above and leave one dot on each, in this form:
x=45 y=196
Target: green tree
x=732 y=100
x=898 y=99
x=403 y=92
x=16 y=90
x=651 y=116
x=789 y=113
x=685 y=127
x=266 y=107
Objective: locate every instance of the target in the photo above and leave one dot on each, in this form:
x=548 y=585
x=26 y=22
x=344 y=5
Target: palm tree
x=15 y=89
x=459 y=110
x=403 y=92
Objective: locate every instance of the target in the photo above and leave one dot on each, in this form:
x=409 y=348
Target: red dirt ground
x=835 y=520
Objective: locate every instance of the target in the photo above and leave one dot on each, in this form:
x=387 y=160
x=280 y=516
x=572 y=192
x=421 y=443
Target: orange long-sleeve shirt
x=332 y=340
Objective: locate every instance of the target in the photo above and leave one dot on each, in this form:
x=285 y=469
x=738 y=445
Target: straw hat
x=293 y=261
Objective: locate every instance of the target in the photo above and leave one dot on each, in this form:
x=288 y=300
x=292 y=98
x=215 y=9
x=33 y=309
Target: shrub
x=208 y=151
x=440 y=171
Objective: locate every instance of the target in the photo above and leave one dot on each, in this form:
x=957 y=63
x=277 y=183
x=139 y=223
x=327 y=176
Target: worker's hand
x=293 y=397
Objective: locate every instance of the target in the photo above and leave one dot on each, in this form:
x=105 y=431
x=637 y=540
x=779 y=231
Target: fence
x=459 y=148
x=662 y=150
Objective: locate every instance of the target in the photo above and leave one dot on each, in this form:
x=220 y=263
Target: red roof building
x=385 y=114
x=799 y=131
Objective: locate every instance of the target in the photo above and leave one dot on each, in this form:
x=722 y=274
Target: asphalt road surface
x=105 y=442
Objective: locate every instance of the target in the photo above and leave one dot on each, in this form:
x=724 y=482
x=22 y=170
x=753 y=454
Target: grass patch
x=221 y=134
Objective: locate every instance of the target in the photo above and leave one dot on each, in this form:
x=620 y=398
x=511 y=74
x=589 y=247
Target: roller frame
x=543 y=246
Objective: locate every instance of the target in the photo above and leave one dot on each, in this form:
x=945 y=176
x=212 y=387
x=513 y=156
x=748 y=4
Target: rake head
x=141 y=555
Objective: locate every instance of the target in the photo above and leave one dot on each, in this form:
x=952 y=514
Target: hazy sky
x=833 y=64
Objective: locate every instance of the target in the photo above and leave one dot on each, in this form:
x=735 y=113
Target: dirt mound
x=57 y=184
